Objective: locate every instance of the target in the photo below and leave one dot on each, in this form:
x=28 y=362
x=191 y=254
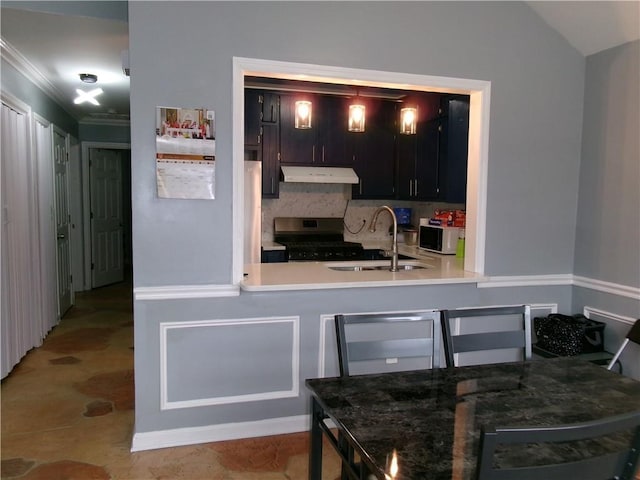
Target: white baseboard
x=217 y=433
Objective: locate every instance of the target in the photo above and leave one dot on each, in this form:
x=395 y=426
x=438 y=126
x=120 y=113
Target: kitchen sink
x=369 y=266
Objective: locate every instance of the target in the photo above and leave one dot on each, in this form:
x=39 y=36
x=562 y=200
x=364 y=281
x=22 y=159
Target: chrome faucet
x=394 y=247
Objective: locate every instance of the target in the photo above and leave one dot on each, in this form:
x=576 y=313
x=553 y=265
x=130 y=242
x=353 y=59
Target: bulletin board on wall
x=185 y=153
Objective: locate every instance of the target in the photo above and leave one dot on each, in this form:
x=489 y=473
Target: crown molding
x=105 y=121
x=18 y=61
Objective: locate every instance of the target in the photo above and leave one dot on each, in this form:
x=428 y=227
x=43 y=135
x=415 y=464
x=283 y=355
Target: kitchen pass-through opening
x=479 y=92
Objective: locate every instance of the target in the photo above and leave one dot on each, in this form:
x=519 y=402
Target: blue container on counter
x=403 y=215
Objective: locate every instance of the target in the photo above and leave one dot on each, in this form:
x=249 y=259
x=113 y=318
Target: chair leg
x=617 y=355
x=315 y=453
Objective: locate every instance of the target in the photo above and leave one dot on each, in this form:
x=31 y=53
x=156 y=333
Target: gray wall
x=607 y=231
x=608 y=225
x=534 y=154
x=534 y=144
x=105 y=133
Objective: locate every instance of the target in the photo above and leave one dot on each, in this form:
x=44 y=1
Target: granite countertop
x=426 y=415
x=439 y=269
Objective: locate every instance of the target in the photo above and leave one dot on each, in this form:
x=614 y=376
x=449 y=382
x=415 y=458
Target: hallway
x=68 y=412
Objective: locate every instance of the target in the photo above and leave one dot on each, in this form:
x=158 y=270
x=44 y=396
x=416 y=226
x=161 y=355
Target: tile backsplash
x=334 y=200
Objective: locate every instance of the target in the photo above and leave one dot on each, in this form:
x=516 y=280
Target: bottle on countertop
x=460 y=244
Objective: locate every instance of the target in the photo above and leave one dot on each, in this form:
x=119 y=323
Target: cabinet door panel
x=252 y=114
x=453 y=183
x=333 y=147
x=270 y=107
x=297 y=146
x=270 y=163
x=407 y=145
x=374 y=152
x=427 y=159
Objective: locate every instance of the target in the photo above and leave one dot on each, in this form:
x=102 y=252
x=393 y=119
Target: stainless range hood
x=319 y=175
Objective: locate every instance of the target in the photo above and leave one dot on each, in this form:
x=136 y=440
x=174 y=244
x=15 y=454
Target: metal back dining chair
x=518 y=337
x=377 y=341
x=387 y=337
x=621 y=461
x=632 y=336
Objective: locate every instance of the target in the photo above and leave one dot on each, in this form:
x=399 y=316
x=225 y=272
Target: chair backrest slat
x=619 y=462
x=403 y=348
x=488 y=341
x=353 y=349
x=519 y=337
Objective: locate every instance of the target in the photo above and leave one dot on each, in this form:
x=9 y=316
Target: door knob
x=60 y=236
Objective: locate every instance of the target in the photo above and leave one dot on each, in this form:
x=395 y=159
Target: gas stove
x=315 y=239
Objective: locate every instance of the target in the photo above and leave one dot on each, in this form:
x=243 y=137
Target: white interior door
x=63 y=249
x=43 y=143
x=107 y=224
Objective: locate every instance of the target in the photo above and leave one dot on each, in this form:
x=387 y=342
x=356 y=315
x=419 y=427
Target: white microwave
x=439 y=239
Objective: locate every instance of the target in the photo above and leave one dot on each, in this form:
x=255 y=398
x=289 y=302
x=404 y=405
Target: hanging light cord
x=364 y=222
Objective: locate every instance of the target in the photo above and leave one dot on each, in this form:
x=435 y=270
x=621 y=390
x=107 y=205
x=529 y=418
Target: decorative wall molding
x=112 y=122
x=547 y=307
x=526 y=281
x=172 y=292
x=179 y=292
x=607 y=287
x=561 y=279
x=294 y=391
x=589 y=311
x=322 y=353
x=26 y=68
x=216 y=433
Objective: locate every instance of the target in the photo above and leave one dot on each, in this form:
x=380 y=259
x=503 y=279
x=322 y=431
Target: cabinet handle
x=415 y=187
x=313 y=154
x=411 y=188
x=273 y=190
x=322 y=153
x=360 y=182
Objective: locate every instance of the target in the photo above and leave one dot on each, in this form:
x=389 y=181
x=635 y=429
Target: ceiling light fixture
x=88 y=77
x=303 y=114
x=408 y=119
x=87 y=96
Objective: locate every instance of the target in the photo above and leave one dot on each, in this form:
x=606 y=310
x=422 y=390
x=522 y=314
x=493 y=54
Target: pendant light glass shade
x=356 y=118
x=303 y=114
x=408 y=119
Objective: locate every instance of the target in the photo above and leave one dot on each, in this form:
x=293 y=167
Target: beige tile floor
x=67 y=412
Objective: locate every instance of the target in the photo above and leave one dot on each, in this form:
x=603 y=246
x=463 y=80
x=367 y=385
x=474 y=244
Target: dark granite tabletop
x=432 y=418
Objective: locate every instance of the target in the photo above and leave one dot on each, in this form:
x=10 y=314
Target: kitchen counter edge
x=445 y=269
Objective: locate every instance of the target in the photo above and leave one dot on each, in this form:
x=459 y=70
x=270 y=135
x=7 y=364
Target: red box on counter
x=459 y=218
x=449 y=218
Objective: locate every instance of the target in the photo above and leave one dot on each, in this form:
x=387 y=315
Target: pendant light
x=303 y=114
x=356 y=116
x=408 y=119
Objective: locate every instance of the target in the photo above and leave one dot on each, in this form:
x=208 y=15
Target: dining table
x=426 y=424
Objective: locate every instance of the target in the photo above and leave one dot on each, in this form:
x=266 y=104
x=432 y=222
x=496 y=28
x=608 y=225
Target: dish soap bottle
x=460 y=244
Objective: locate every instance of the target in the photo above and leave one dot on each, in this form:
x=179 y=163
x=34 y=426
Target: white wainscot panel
x=214 y=362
